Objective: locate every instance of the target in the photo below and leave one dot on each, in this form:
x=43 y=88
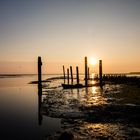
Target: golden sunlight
x=92 y=61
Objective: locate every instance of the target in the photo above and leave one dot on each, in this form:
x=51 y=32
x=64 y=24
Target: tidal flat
x=111 y=112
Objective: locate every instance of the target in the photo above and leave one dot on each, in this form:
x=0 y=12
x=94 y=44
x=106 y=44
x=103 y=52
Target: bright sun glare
x=92 y=61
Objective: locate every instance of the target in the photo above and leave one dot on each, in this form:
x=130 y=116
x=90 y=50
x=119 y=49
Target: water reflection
x=40 y=117
x=94 y=90
x=21 y=112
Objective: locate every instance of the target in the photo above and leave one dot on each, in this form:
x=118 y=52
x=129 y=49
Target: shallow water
x=82 y=112
x=19 y=110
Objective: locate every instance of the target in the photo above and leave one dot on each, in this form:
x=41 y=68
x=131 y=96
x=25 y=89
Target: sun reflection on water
x=93 y=90
x=107 y=130
x=92 y=75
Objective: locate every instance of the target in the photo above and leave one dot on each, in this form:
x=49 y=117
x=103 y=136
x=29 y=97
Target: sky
x=63 y=32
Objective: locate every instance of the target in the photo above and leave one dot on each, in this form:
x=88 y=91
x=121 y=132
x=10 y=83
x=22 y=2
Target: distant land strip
x=134 y=73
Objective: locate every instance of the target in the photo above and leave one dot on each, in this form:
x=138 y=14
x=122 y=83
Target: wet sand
x=95 y=113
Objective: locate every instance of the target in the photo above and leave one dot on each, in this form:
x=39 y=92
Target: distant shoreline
x=134 y=73
x=22 y=74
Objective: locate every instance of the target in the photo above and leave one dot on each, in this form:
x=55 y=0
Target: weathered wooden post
x=88 y=73
x=39 y=70
x=77 y=74
x=86 y=79
x=64 y=73
x=100 y=72
x=71 y=74
x=39 y=90
x=68 y=75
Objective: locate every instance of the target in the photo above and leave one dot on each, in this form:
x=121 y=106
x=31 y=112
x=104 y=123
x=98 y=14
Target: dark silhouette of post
x=68 y=75
x=77 y=74
x=86 y=69
x=100 y=72
x=71 y=74
x=88 y=73
x=39 y=90
x=64 y=73
x=39 y=70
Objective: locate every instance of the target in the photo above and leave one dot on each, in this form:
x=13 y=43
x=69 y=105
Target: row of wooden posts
x=71 y=72
x=87 y=77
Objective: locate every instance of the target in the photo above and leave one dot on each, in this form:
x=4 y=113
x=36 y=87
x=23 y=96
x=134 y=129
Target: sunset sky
x=65 y=31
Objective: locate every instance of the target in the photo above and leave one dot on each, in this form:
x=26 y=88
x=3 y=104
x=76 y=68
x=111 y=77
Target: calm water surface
x=19 y=110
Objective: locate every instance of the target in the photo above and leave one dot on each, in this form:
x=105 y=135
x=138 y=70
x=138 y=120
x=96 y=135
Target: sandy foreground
x=111 y=112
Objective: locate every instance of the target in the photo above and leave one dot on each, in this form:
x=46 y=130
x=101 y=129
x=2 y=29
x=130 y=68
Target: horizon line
x=66 y=74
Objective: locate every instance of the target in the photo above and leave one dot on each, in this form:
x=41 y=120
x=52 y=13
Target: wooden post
x=77 y=74
x=64 y=73
x=100 y=72
x=88 y=73
x=68 y=75
x=39 y=90
x=86 y=79
x=39 y=70
x=71 y=74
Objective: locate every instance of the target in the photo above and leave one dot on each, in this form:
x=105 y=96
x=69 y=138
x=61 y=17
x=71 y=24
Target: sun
x=92 y=61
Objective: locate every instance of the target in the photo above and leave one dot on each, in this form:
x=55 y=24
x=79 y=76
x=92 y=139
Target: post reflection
x=39 y=104
x=78 y=96
x=86 y=90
